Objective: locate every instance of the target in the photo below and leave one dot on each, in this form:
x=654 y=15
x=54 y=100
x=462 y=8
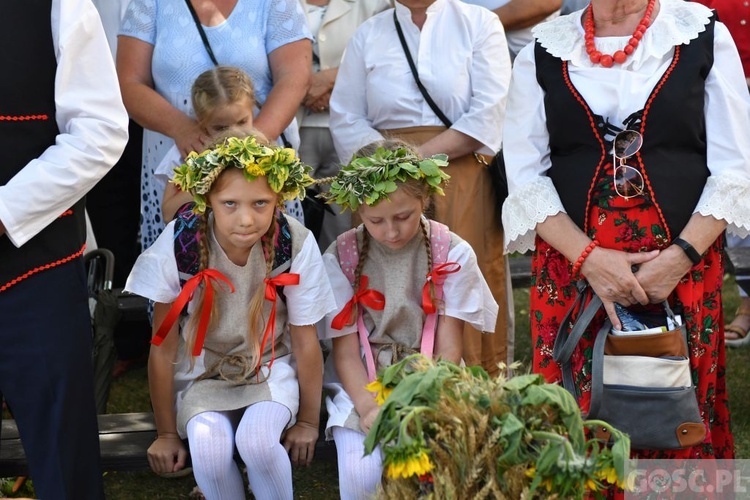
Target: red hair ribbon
x=186 y=295
x=283 y=279
x=437 y=277
x=370 y=298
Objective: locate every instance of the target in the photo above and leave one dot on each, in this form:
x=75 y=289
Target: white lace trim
x=524 y=209
x=727 y=197
x=677 y=23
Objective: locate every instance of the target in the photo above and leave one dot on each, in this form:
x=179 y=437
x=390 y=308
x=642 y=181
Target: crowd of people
x=401 y=121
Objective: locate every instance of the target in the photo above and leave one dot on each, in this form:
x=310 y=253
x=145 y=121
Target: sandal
x=742 y=333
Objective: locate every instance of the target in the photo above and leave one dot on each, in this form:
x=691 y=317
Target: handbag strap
x=421 y=87
x=202 y=33
x=597 y=370
x=565 y=343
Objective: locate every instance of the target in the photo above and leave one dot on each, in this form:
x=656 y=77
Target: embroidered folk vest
x=27 y=129
x=672 y=124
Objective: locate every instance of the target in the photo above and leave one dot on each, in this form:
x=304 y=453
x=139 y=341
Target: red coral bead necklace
x=620 y=56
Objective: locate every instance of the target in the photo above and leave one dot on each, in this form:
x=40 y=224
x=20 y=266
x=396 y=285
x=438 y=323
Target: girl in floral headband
x=402 y=284
x=222 y=374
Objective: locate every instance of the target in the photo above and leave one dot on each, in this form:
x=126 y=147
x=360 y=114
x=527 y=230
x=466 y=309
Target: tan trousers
x=468 y=209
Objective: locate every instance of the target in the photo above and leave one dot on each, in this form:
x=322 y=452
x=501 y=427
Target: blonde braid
x=192 y=324
x=362 y=257
x=423 y=224
x=358 y=270
x=203 y=241
x=256 y=321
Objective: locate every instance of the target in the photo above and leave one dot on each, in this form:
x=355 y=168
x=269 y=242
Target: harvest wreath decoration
x=454 y=432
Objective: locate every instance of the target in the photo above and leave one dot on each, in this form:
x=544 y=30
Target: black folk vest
x=673 y=156
x=27 y=128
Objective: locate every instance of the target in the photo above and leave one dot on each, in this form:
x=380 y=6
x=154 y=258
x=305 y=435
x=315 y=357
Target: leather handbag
x=642 y=386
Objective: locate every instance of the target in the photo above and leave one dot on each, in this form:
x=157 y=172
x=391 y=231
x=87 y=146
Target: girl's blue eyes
x=259 y=204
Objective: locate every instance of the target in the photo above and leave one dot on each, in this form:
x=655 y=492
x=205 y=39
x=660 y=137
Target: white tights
x=212 y=438
x=359 y=474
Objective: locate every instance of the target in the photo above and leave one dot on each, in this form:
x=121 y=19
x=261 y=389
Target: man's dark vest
x=27 y=128
x=673 y=156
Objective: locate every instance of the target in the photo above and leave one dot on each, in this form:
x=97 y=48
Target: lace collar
x=677 y=23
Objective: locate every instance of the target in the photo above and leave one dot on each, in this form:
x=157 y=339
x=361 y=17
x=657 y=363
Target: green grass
x=319 y=481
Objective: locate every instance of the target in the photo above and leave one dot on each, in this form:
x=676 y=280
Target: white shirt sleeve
x=312 y=299
x=165 y=171
x=342 y=293
x=490 y=78
x=727 y=107
x=154 y=274
x=531 y=195
x=466 y=294
x=92 y=120
x=349 y=123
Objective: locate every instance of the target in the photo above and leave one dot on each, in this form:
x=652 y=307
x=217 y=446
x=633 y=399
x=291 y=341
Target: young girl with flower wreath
x=402 y=283
x=243 y=367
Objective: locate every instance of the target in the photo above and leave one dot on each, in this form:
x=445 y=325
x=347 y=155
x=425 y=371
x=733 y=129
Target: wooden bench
x=123 y=440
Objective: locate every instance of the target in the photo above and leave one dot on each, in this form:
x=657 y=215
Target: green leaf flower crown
x=286 y=174
x=367 y=180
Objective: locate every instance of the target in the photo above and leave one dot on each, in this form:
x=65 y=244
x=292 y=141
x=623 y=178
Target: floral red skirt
x=635 y=226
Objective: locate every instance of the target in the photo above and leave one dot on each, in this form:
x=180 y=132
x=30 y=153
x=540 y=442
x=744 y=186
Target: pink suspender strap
x=440 y=242
x=346 y=245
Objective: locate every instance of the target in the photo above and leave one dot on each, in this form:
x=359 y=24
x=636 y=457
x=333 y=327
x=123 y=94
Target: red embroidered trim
x=39 y=269
x=21 y=118
x=65 y=213
x=643 y=128
x=592 y=122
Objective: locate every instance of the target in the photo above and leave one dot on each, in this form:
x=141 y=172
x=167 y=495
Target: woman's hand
x=321 y=104
x=189 y=136
x=660 y=276
x=610 y=274
x=167 y=454
x=299 y=442
x=320 y=90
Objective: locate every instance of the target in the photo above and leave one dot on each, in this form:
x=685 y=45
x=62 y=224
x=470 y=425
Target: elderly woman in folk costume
x=641 y=224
